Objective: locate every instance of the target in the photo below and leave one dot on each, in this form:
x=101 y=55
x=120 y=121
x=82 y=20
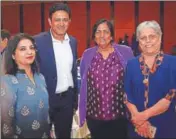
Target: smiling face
x=59 y=23
x=103 y=36
x=149 y=41
x=24 y=54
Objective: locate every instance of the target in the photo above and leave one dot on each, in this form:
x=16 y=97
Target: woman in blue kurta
x=24 y=98
x=150 y=85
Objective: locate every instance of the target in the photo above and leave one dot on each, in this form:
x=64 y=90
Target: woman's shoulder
x=9 y=82
x=134 y=60
x=170 y=57
x=10 y=79
x=89 y=50
x=126 y=51
x=133 y=63
x=123 y=47
x=41 y=76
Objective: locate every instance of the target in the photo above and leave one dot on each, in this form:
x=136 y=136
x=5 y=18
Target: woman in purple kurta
x=101 y=94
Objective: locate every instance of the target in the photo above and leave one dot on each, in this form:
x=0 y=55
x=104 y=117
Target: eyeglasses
x=103 y=32
x=65 y=20
x=146 y=38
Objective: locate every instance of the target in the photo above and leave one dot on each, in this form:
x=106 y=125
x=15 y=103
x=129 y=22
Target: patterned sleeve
x=8 y=99
x=128 y=97
x=172 y=92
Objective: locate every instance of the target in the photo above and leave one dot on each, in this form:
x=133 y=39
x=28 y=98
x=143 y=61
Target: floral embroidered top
x=144 y=87
x=24 y=106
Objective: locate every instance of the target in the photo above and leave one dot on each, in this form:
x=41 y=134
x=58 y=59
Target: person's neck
x=106 y=49
x=58 y=37
x=150 y=58
x=27 y=70
x=150 y=55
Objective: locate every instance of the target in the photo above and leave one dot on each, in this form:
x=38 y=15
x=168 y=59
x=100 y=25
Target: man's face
x=59 y=23
x=3 y=42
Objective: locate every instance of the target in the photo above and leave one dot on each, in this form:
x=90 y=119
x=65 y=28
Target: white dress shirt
x=64 y=62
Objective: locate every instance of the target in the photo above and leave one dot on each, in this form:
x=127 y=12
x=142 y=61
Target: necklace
x=146 y=71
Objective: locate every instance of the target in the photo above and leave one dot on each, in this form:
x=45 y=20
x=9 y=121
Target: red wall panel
x=149 y=10
x=98 y=10
x=32 y=18
x=169 y=25
x=10 y=18
x=46 y=13
x=78 y=26
x=124 y=19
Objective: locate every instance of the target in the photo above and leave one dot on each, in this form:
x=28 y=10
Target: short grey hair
x=148 y=24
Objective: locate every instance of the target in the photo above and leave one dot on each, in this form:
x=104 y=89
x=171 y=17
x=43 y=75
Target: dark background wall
x=31 y=17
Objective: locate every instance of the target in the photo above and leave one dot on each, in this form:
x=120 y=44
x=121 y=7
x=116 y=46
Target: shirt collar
x=66 y=37
x=21 y=70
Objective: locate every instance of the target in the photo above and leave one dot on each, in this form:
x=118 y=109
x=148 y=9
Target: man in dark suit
x=57 y=59
x=5 y=36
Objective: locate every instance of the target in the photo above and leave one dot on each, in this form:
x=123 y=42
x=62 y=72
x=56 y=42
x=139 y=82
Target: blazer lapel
x=50 y=50
x=72 y=45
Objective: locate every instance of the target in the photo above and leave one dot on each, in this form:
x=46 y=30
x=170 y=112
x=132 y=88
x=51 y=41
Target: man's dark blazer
x=47 y=63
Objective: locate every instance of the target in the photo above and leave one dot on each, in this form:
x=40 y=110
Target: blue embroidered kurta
x=160 y=83
x=24 y=106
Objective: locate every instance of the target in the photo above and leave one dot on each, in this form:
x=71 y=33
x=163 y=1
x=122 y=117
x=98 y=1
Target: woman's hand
x=143 y=130
x=139 y=118
x=52 y=134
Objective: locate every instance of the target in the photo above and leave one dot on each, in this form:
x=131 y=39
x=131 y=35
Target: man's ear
x=49 y=21
x=13 y=57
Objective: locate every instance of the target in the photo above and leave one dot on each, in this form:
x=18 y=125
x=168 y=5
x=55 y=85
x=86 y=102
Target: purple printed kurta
x=105 y=88
x=123 y=52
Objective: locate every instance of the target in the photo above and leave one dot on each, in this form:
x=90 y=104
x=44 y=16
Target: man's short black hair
x=59 y=7
x=5 y=34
